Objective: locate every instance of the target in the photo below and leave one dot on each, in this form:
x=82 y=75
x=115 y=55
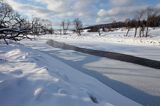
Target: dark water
x=111 y=55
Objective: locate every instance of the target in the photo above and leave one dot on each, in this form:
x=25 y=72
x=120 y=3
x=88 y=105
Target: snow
x=115 y=42
x=29 y=77
x=37 y=74
x=136 y=82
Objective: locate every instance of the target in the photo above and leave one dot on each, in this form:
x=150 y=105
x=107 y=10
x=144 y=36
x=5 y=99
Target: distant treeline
x=149 y=17
x=131 y=23
x=95 y=28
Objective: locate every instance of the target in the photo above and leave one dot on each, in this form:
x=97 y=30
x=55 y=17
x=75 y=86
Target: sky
x=90 y=12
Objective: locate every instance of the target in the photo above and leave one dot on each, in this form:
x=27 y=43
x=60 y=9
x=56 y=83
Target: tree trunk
x=99 y=32
x=5 y=41
x=147 y=32
x=79 y=32
x=127 y=32
x=135 y=31
x=140 y=32
x=143 y=32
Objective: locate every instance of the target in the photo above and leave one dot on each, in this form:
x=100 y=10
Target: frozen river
x=136 y=82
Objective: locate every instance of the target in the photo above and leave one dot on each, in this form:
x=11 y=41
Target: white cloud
x=30 y=10
x=103 y=10
x=60 y=9
x=102 y=13
x=118 y=13
x=56 y=5
x=70 y=7
x=14 y=4
x=111 y=12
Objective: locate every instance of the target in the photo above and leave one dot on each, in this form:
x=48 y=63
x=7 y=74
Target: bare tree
x=15 y=27
x=47 y=26
x=144 y=19
x=99 y=31
x=5 y=14
x=65 y=26
x=138 y=17
x=141 y=22
x=127 y=23
x=36 y=26
x=78 y=26
x=151 y=14
x=12 y=25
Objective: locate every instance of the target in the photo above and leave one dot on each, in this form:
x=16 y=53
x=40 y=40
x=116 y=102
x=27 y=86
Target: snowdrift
x=32 y=78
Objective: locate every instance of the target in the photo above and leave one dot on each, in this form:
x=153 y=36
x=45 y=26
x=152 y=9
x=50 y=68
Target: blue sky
x=89 y=11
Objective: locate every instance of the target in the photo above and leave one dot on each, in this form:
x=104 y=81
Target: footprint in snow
x=39 y=94
x=62 y=92
x=17 y=72
x=2 y=61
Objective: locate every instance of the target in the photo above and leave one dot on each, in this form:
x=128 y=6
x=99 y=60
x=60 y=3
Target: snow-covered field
x=136 y=82
x=32 y=78
x=115 y=42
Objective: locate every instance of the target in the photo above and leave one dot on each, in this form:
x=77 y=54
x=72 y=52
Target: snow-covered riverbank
x=115 y=42
x=136 y=82
x=32 y=78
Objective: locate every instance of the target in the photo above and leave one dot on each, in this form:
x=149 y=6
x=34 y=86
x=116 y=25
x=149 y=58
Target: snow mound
x=32 y=78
